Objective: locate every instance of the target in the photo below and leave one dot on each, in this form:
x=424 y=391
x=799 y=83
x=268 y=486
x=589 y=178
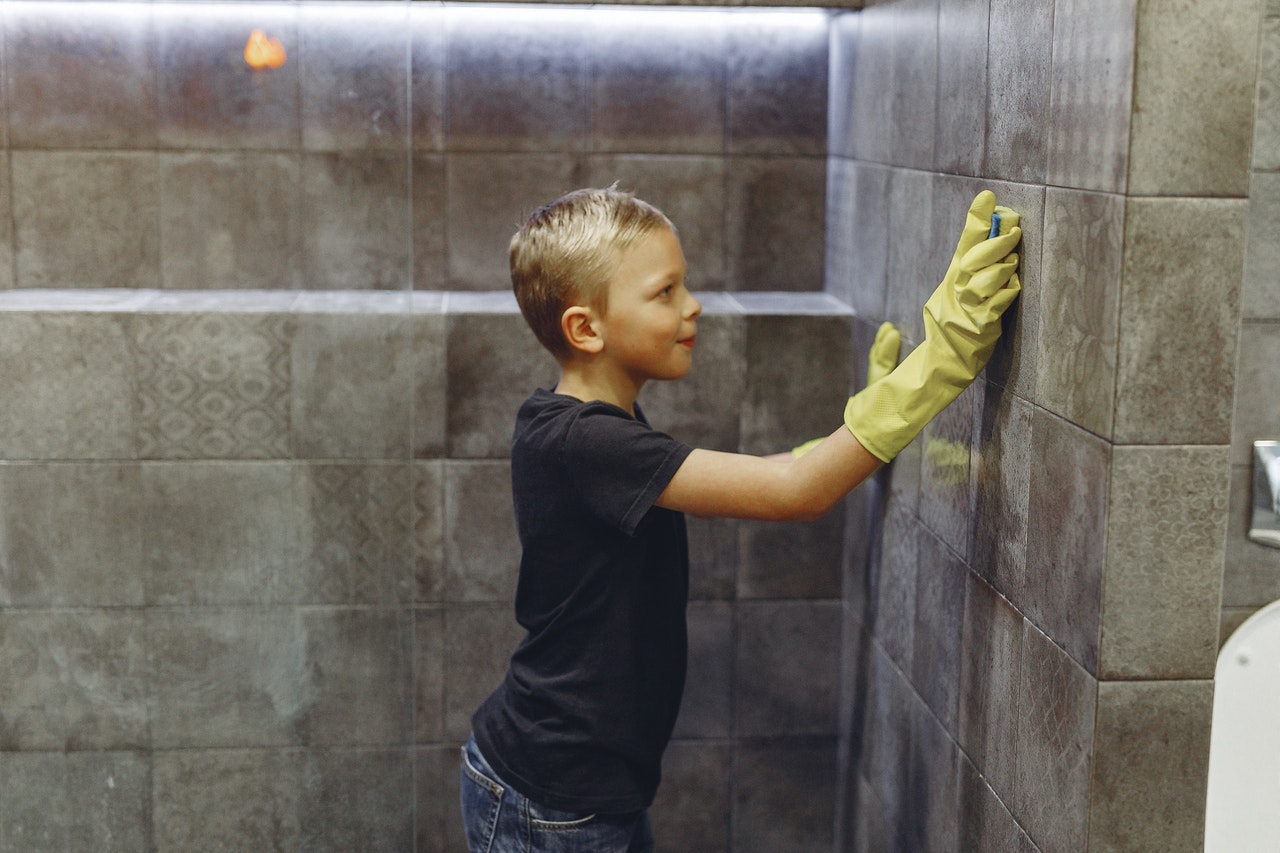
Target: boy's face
x=650 y=322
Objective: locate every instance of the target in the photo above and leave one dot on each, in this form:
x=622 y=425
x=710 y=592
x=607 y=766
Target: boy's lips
x=687 y=342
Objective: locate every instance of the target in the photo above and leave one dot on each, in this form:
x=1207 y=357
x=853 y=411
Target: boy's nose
x=694 y=308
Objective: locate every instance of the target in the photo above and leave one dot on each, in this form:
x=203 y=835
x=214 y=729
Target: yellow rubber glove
x=962 y=324
x=881 y=360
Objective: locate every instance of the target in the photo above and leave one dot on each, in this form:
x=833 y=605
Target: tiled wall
x=256 y=569
x=1031 y=631
x=1252 y=577
x=400 y=144
x=256 y=548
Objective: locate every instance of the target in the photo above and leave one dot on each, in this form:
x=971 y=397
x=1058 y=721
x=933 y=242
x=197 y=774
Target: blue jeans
x=499 y=820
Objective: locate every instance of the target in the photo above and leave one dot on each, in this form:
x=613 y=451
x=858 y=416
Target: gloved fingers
x=986 y=282
x=1009 y=218
x=990 y=251
x=883 y=357
x=977 y=224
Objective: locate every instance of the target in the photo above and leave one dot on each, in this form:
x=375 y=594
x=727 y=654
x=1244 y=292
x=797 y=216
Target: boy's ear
x=578 y=323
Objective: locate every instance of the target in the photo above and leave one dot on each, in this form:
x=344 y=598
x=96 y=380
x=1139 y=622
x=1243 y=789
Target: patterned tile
x=212 y=385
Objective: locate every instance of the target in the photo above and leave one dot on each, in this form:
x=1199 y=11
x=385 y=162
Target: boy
x=565 y=755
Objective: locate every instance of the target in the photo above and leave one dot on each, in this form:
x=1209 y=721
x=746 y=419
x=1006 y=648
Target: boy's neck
x=587 y=382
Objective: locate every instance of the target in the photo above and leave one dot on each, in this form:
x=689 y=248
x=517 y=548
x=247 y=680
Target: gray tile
x=783 y=799
x=915 y=265
x=1266 y=128
x=787 y=655
x=428 y=76
x=226 y=799
x=58 y=801
x=436 y=771
x=518 y=81
x=428 y=208
x=73 y=680
x=6 y=231
x=1164 y=397
x=430 y=383
x=489 y=197
x=354 y=78
x=845 y=51
x=273 y=677
x=1260 y=296
x=352 y=386
x=231 y=220
x=774 y=223
x=355 y=540
x=1091 y=92
x=86 y=219
x=1256 y=411
x=221 y=533
x=1080 y=307
x=357 y=800
x=777 y=83
x=428 y=522
x=1193 y=102
x=692 y=810
x=887 y=736
x=857 y=241
x=946 y=492
x=428 y=675
x=791 y=559
x=1002 y=471
x=713 y=558
x=80 y=77
x=894 y=618
x=914 y=93
x=206 y=101
x=933 y=783
x=212 y=385
x=481 y=548
x=985 y=822
x=690 y=190
x=1150 y=765
x=797 y=380
x=44 y=564
x=357 y=232
x=478 y=642
x=487 y=384
x=1165 y=544
x=707 y=708
x=702 y=409
x=659 y=82
x=870 y=113
x=1066 y=536
x=1018 y=80
x=69 y=386
x=1251 y=575
x=1057 y=708
x=990 y=669
x=962 y=86
x=359 y=665
x=939 y=627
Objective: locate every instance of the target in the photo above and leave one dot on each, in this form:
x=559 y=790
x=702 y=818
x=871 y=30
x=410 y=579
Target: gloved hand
x=962 y=324
x=881 y=360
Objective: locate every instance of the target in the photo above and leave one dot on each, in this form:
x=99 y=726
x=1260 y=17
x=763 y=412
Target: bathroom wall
x=1252 y=576
x=1031 y=626
x=260 y=367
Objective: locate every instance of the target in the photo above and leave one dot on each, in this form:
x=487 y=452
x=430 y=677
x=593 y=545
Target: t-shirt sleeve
x=620 y=466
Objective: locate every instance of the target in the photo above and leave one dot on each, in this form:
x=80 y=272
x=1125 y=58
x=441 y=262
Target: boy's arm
x=734 y=485
x=962 y=324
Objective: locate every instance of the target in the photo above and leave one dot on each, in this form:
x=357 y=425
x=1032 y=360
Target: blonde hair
x=566 y=252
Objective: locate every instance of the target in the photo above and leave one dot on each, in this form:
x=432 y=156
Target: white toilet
x=1243 y=810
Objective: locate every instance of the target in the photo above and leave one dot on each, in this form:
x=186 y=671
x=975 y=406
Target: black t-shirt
x=588 y=704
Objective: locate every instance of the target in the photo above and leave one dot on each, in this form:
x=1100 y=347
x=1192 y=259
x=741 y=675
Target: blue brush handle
x=995 y=226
